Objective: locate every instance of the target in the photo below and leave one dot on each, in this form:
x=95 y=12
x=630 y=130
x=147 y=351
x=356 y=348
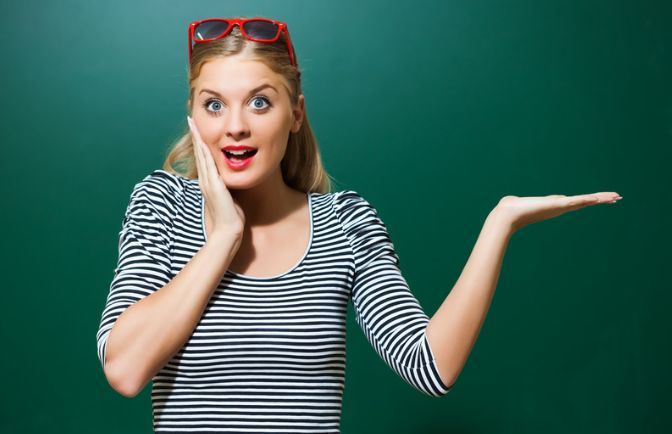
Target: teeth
x=238 y=152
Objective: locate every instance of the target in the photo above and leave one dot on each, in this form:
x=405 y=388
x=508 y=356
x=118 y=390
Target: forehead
x=234 y=76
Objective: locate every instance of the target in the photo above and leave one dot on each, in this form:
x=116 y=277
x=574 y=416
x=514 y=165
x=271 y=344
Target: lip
x=238 y=148
x=238 y=165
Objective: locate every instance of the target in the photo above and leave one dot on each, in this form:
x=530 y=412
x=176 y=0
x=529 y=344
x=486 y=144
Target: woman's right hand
x=227 y=216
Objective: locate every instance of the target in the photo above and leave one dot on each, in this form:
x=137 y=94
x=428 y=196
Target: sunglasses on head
x=256 y=29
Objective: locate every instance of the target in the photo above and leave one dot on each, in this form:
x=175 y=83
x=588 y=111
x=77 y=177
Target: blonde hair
x=301 y=167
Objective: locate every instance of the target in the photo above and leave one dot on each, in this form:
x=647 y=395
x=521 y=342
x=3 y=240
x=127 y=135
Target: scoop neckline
x=277 y=276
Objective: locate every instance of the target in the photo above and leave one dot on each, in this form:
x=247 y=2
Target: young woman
x=236 y=262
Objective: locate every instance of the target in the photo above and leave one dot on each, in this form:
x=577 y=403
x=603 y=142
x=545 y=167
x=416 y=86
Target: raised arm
x=385 y=309
x=454 y=327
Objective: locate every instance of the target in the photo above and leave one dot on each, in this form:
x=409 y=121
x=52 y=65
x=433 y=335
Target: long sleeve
x=385 y=309
x=145 y=242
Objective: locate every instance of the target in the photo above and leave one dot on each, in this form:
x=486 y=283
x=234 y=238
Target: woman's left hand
x=522 y=211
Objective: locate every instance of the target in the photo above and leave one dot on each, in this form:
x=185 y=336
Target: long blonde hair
x=301 y=167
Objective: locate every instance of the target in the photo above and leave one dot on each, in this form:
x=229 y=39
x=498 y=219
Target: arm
x=149 y=314
x=385 y=308
x=151 y=331
x=455 y=326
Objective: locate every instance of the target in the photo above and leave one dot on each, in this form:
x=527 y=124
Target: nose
x=235 y=124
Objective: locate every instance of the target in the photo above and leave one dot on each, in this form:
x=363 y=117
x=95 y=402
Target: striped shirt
x=268 y=353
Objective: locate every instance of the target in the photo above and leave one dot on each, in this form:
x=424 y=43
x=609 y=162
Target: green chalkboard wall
x=432 y=110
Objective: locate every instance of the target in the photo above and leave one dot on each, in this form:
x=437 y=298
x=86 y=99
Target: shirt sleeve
x=385 y=309
x=145 y=242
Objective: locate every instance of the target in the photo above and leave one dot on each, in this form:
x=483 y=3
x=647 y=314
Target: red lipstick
x=238 y=157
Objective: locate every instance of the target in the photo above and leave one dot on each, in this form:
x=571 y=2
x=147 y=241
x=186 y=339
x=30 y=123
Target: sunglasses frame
x=240 y=22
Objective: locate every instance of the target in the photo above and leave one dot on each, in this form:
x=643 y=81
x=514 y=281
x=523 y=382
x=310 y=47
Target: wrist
x=500 y=218
x=225 y=237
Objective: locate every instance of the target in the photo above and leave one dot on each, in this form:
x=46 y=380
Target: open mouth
x=239 y=156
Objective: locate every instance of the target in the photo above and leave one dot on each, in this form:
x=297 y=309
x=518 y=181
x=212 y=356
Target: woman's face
x=231 y=108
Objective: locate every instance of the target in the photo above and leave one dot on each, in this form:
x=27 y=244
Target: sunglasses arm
x=291 y=47
x=189 y=29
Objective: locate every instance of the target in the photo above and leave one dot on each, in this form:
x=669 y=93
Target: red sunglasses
x=255 y=29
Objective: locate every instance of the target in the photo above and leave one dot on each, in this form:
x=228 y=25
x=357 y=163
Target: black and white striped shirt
x=268 y=354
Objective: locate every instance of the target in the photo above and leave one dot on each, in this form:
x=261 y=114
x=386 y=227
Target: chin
x=237 y=186
x=242 y=180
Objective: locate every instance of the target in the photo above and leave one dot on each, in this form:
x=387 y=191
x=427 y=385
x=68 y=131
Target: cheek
x=217 y=156
x=273 y=137
x=270 y=127
x=210 y=133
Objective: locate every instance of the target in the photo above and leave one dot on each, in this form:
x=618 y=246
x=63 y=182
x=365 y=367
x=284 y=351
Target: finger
x=605 y=197
x=208 y=159
x=570 y=203
x=198 y=151
x=608 y=196
x=582 y=200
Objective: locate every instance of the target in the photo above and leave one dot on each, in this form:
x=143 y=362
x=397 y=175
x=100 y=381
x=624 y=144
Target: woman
x=235 y=271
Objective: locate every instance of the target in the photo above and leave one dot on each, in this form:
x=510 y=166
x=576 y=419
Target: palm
x=523 y=211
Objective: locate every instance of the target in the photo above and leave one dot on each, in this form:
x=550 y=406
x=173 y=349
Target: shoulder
x=161 y=180
x=162 y=186
x=351 y=208
x=359 y=218
x=348 y=201
x=159 y=196
x=367 y=233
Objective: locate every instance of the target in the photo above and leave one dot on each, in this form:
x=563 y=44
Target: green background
x=432 y=110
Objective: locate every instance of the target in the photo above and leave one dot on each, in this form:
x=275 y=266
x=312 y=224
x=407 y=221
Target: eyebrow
x=256 y=89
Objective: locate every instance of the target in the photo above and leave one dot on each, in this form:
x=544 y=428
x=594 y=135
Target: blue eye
x=217 y=105
x=261 y=98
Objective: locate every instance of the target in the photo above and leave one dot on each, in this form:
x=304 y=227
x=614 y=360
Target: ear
x=298 y=112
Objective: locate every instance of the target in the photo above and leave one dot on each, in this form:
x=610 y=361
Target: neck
x=267 y=203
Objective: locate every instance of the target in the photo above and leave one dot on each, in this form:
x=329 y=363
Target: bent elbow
x=445 y=391
x=127 y=391
x=433 y=389
x=120 y=382
x=439 y=389
x=438 y=393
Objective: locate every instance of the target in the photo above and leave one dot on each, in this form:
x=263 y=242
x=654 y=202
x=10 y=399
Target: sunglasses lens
x=261 y=30
x=210 y=29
